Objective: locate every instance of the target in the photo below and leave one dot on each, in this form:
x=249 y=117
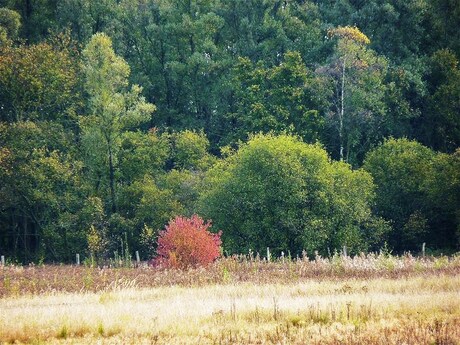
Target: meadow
x=366 y=299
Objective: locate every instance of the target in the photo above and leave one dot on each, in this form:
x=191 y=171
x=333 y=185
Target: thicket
x=291 y=124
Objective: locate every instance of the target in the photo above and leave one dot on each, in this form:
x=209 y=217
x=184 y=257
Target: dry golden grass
x=419 y=309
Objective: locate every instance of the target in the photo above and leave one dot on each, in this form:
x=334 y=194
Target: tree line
x=295 y=125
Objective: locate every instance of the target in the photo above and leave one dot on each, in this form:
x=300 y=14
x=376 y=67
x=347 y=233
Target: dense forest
x=295 y=124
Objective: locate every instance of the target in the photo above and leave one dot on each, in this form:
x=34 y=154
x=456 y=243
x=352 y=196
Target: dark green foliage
x=443 y=19
x=41 y=193
x=286 y=98
x=86 y=17
x=396 y=28
x=440 y=123
x=410 y=180
x=10 y=22
x=142 y=154
x=38 y=16
x=40 y=82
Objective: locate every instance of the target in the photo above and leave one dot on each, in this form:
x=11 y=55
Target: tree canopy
x=290 y=124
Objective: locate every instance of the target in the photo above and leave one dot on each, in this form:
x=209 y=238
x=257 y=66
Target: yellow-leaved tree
x=357 y=76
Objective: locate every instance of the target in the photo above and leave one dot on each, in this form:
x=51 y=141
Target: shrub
x=187 y=242
x=279 y=192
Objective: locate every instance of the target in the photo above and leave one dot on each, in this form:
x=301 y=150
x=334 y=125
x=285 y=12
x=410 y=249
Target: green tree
x=444 y=18
x=86 y=17
x=147 y=203
x=172 y=47
x=357 y=79
x=185 y=186
x=38 y=17
x=160 y=177
x=443 y=194
x=284 y=98
x=266 y=30
x=142 y=154
x=184 y=53
x=416 y=191
x=40 y=82
x=41 y=192
x=439 y=125
x=405 y=98
x=113 y=109
x=10 y=22
x=279 y=192
x=190 y=151
x=397 y=28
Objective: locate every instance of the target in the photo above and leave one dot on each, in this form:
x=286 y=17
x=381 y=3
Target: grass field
x=361 y=300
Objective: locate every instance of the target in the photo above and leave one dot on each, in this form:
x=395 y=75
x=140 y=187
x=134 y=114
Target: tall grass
x=20 y=280
x=414 y=310
x=366 y=299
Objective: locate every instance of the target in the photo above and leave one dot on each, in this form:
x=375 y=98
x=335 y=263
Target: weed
x=441 y=262
x=100 y=329
x=296 y=321
x=107 y=297
x=226 y=276
x=63 y=332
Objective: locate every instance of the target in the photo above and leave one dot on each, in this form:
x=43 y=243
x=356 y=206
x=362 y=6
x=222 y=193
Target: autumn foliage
x=187 y=242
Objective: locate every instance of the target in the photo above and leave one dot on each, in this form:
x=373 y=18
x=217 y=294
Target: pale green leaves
x=104 y=71
x=113 y=109
x=113 y=106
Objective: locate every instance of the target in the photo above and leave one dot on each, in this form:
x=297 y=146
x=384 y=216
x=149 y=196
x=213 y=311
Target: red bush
x=186 y=242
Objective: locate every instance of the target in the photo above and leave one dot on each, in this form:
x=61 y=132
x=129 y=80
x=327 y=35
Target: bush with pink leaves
x=187 y=242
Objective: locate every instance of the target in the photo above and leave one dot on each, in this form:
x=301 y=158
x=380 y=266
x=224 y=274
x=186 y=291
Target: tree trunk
x=112 y=180
x=25 y=230
x=342 y=95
